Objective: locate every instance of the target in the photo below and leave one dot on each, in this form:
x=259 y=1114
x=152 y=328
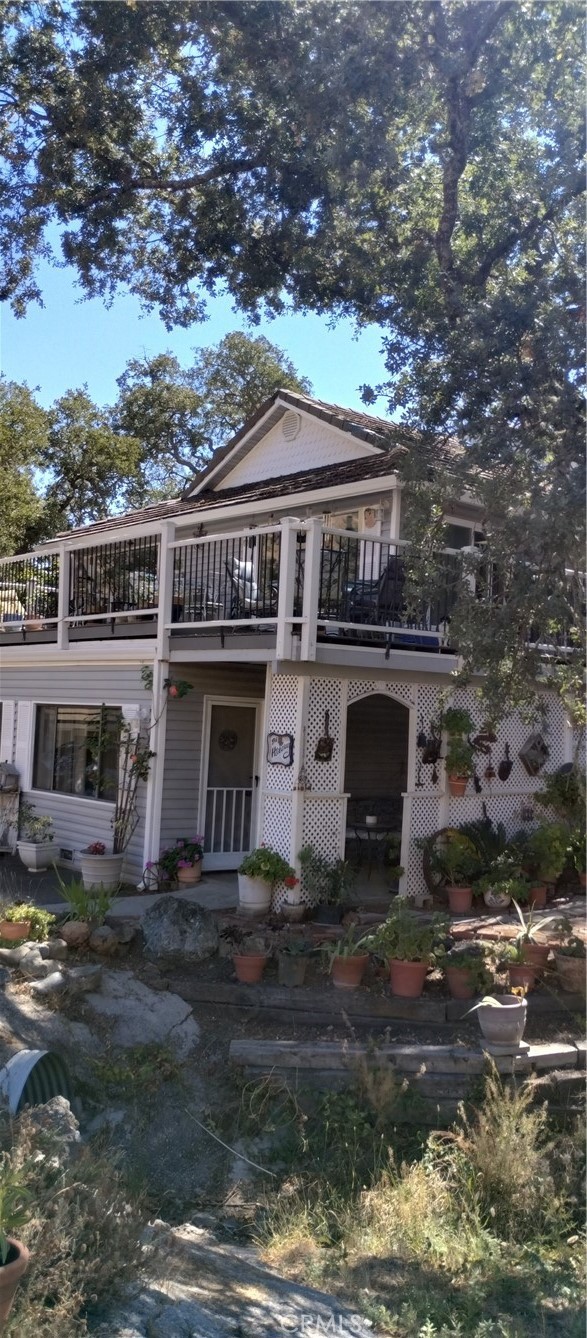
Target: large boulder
x=179 y=932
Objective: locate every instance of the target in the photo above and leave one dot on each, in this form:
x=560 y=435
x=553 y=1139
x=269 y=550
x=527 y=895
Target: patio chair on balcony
x=247 y=601
x=381 y=601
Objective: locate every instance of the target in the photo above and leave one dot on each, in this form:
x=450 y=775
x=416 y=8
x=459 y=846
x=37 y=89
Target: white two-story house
x=274 y=587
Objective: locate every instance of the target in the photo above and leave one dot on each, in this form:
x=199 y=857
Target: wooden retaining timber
x=441 y=1075
x=327 y=1006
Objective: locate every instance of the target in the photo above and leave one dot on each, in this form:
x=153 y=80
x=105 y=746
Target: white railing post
x=165 y=601
x=312 y=569
x=158 y=726
x=63 y=598
x=287 y=578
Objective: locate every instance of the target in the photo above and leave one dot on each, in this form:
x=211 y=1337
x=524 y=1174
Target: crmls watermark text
x=313 y=1326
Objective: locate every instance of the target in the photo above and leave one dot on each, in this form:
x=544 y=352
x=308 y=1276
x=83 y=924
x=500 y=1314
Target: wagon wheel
x=435 y=882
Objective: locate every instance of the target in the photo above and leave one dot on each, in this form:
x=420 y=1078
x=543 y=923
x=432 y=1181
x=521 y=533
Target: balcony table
x=371 y=840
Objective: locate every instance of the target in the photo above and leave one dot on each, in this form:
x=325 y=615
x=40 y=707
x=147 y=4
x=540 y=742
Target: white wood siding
x=317 y=444
x=181 y=780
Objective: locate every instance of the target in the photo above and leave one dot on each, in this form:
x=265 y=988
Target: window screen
x=76 y=750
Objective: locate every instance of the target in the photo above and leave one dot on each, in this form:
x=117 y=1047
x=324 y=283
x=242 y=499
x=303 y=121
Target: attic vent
x=290 y=425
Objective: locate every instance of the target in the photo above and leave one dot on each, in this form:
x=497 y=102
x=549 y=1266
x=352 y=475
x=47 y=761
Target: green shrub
x=40 y=921
x=92 y=906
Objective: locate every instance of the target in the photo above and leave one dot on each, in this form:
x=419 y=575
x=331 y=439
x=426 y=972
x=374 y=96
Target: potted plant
x=533 y=953
x=102 y=868
x=466 y=970
x=503 y=880
x=578 y=853
x=292 y=960
x=14 y=1213
x=510 y=956
x=258 y=876
x=35 y=843
x=329 y=882
x=292 y=907
x=250 y=961
x=182 y=863
x=457 y=864
x=569 y=958
x=502 y=1019
x=545 y=852
x=408 y=942
x=459 y=761
x=347 y=962
x=19 y=920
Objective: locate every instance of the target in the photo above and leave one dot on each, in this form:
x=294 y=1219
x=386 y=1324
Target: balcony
x=294 y=582
x=287 y=587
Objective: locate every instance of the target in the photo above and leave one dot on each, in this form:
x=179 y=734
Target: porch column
x=158 y=725
x=63 y=598
x=311 y=589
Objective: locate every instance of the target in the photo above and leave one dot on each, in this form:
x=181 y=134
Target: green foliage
x=472 y=958
x=455 y=861
x=90 y=468
x=568 y=944
x=460 y=757
x=457 y=722
x=545 y=852
x=347 y=946
x=23 y=435
x=138 y=1072
x=331 y=881
x=14 y=1204
x=90 y=906
x=267 y=864
x=563 y=791
x=184 y=852
x=32 y=827
x=40 y=921
x=406 y=936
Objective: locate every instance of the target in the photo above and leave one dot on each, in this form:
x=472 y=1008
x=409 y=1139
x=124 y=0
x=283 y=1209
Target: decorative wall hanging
x=534 y=754
x=504 y=769
x=483 y=741
x=280 y=750
x=227 y=740
x=325 y=744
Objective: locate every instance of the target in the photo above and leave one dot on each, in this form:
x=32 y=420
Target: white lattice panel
x=427 y=710
x=579 y=747
x=277 y=820
x=424 y=822
x=362 y=687
x=282 y=720
x=325 y=696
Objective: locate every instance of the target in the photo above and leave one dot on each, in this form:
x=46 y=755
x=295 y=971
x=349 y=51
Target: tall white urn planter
x=254 y=895
x=101 y=871
x=36 y=855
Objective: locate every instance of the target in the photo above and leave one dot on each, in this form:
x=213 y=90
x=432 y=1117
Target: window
x=76 y=750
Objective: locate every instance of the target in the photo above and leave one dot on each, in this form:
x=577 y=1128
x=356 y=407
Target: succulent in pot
x=35 y=839
x=532 y=952
x=250 y=960
x=347 y=961
x=511 y=958
x=292 y=960
x=409 y=943
x=258 y=876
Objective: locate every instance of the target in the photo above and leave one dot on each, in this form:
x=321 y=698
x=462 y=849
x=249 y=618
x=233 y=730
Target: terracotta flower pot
x=407 y=978
x=460 y=899
x=503 y=1027
x=347 y=972
x=459 y=982
x=536 y=954
x=457 y=786
x=190 y=875
x=537 y=896
x=15 y=929
x=570 y=973
x=521 y=973
x=249 y=967
x=10 y=1274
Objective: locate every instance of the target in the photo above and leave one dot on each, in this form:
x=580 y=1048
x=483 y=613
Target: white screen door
x=229 y=791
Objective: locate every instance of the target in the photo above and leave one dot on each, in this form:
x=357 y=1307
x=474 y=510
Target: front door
x=230 y=780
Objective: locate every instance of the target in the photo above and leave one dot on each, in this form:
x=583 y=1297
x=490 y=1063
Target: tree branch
x=162 y=184
x=525 y=234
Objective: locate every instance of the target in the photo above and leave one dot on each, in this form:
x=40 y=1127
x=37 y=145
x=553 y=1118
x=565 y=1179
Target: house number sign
x=280 y=750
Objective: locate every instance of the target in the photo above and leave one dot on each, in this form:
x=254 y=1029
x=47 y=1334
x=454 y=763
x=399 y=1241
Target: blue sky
x=69 y=342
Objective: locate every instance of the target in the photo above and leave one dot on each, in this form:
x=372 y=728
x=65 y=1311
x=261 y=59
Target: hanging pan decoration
x=325 y=745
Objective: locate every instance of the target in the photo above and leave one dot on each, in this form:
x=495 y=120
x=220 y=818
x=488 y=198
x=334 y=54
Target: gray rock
x=4 y=976
x=84 y=979
x=13 y=956
x=56 y=950
x=105 y=1119
x=104 y=941
x=34 y=968
x=125 y=931
x=151 y=976
x=179 y=932
x=56 y=1117
x=75 y=933
x=56 y=983
x=139 y=1016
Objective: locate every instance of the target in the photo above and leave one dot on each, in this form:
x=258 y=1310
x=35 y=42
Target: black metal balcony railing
x=227 y=579
x=363 y=582
x=29 y=589
x=115 y=578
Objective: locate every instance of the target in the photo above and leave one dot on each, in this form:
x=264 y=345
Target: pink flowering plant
x=183 y=855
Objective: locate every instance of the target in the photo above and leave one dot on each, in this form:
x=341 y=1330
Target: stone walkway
x=215 y=891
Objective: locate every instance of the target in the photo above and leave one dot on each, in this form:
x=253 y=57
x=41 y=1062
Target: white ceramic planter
x=36 y=855
x=498 y=900
x=503 y=1027
x=101 y=871
x=254 y=895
